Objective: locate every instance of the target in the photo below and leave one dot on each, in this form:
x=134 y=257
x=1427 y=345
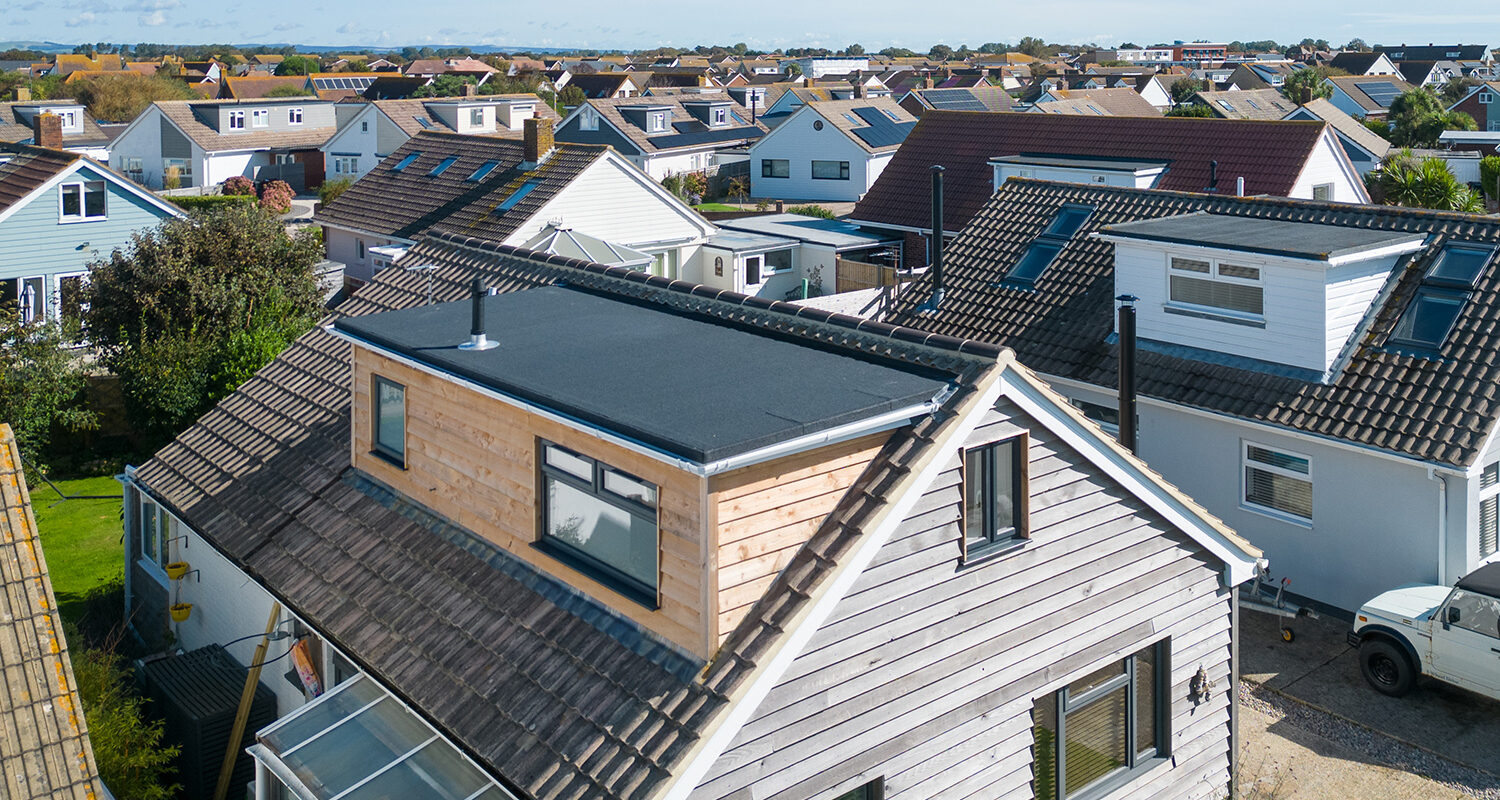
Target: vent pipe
x=1213 y=175
x=1127 y=370
x=936 y=242
x=477 y=339
x=1239 y=186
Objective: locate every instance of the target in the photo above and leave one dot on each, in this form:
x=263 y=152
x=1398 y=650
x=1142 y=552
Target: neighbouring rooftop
x=834 y=233
x=1306 y=240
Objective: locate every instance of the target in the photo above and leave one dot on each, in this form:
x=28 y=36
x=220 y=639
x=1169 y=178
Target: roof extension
x=1302 y=240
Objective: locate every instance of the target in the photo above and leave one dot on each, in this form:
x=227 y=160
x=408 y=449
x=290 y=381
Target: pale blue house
x=59 y=211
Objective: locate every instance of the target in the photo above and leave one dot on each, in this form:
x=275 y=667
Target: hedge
x=203 y=201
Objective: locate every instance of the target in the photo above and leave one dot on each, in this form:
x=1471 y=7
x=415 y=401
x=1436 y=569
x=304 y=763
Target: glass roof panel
x=357 y=748
x=332 y=708
x=436 y=772
x=1460 y=264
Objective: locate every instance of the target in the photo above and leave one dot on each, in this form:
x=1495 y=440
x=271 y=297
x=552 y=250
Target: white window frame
x=294 y=115
x=20 y=290
x=657 y=121
x=237 y=120
x=1275 y=513
x=1485 y=98
x=479 y=112
x=588 y=120
x=185 y=174
x=721 y=116
x=68 y=118
x=1213 y=274
x=260 y=118
x=1325 y=187
x=83 y=208
x=153 y=563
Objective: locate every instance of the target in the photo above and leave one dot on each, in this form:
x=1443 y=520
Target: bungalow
x=204 y=143
x=81 y=134
x=59 y=211
x=1429 y=73
x=1365 y=148
x=1479 y=53
x=655 y=584
x=992 y=98
x=1295 y=356
x=1122 y=102
x=605 y=85
x=1246 y=104
x=831 y=150
x=980 y=151
x=508 y=191
x=1362 y=64
x=371 y=131
x=1362 y=97
x=667 y=135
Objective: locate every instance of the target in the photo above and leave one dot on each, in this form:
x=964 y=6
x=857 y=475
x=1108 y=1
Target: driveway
x=1320 y=671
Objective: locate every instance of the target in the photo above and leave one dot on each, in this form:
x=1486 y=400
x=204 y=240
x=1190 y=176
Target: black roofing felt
x=698 y=389
x=1485 y=580
x=1272 y=237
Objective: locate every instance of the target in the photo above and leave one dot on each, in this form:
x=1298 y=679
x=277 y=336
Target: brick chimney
x=471 y=90
x=537 y=141
x=46 y=131
x=23 y=94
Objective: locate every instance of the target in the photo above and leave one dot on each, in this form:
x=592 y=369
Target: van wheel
x=1386 y=667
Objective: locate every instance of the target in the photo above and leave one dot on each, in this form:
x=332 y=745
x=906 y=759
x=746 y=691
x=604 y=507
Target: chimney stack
x=23 y=94
x=477 y=339
x=46 y=131
x=471 y=90
x=537 y=140
x=1127 y=371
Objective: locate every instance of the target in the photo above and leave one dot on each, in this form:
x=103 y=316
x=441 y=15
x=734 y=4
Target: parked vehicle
x=1449 y=634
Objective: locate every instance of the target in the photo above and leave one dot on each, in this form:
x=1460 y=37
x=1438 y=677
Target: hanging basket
x=176 y=570
x=181 y=611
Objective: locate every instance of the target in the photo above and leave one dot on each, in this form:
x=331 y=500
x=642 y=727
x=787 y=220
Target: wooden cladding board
x=473 y=459
x=766 y=512
x=925 y=672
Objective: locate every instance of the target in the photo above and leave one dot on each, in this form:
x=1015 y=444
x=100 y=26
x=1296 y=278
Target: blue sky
x=615 y=24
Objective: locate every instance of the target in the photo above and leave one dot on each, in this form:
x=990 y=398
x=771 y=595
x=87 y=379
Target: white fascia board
x=105 y=173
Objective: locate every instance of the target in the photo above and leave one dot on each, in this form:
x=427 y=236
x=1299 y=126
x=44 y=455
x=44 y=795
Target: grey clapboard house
x=908 y=572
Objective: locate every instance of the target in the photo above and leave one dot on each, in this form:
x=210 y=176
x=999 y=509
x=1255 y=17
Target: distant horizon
x=601 y=25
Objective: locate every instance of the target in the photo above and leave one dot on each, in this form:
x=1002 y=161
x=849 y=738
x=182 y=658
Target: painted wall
x=799 y=143
x=343 y=246
x=144 y=141
x=1327 y=165
x=360 y=137
x=613 y=201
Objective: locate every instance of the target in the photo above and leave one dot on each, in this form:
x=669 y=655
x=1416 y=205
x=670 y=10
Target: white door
x=1467 y=649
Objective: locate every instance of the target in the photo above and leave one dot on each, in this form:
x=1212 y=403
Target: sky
x=611 y=24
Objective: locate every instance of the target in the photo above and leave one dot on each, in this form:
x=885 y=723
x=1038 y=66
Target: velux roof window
x=442 y=166
x=1441 y=297
x=1044 y=249
x=406 y=162
x=518 y=195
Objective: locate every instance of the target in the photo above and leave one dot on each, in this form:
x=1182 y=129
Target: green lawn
x=81 y=539
x=717 y=207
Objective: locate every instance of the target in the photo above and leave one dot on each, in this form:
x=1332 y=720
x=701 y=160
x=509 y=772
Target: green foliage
x=290 y=91
x=447 y=85
x=739 y=187
x=297 y=65
x=1183 y=89
x=572 y=96
x=195 y=305
x=1405 y=180
x=793 y=69
x=1190 y=110
x=1457 y=88
x=855 y=49
x=121 y=98
x=1305 y=85
x=1379 y=127
x=332 y=190
x=673 y=184
x=208 y=201
x=1489 y=176
x=238 y=185
x=1034 y=47
x=133 y=761
x=940 y=52
x=811 y=210
x=41 y=383
x=1419 y=116
x=695 y=184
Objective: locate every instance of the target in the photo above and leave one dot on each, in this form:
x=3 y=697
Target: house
x=1260 y=75
x=1365 y=148
x=980 y=150
x=667 y=135
x=336 y=86
x=605 y=85
x=815 y=67
x=507 y=191
x=58 y=212
x=259 y=86
x=466 y=66
x=1480 y=53
x=992 y=98
x=1363 y=64
x=1361 y=97
x=371 y=131
x=605 y=599
x=81 y=134
x=52 y=756
x=1293 y=355
x=1247 y=104
x=1477 y=104
x=830 y=150
x=781 y=256
x=1196 y=52
x=1429 y=73
x=1156 y=88
x=1122 y=102
x=204 y=143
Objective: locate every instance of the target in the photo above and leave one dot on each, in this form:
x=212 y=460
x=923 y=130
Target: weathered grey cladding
x=926 y=671
x=173 y=143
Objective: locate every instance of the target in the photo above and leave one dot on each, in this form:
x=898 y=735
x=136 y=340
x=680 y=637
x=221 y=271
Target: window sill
x=154 y=570
x=992 y=553
x=76 y=220
x=398 y=463
x=600 y=575
x=816 y=178
x=1186 y=311
x=1121 y=785
x=1280 y=516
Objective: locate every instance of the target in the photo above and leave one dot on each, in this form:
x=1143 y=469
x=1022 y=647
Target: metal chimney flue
x=936 y=242
x=1127 y=370
x=477 y=338
x=1213 y=175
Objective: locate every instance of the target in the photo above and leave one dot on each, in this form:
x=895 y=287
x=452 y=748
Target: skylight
x=484 y=170
x=518 y=195
x=1044 y=249
x=426 y=123
x=442 y=166
x=1441 y=297
x=406 y=162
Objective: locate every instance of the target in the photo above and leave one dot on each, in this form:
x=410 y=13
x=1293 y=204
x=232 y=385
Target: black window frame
x=999 y=538
x=377 y=447
x=1136 y=762
x=1455 y=290
x=607 y=574
x=843 y=170
x=767 y=171
x=1066 y=222
x=873 y=790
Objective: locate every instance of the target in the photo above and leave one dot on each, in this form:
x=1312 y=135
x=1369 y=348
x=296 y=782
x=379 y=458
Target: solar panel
x=952 y=100
x=1382 y=92
x=882 y=132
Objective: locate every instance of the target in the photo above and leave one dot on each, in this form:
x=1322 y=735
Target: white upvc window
x=134 y=168
x=1489 y=510
x=345 y=165
x=1215 y=287
x=588 y=120
x=1277 y=482
x=69 y=119
x=236 y=120
x=476 y=117
x=721 y=116
x=83 y=201
x=260 y=117
x=658 y=121
x=153 y=537
x=294 y=116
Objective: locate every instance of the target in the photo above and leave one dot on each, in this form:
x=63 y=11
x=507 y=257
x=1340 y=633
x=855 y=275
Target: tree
x=194 y=306
x=940 y=52
x=289 y=90
x=446 y=85
x=793 y=69
x=1357 y=45
x=1418 y=117
x=297 y=65
x=1034 y=47
x=572 y=96
x=357 y=65
x=1379 y=127
x=897 y=52
x=1128 y=46
x=1183 y=89
x=1489 y=176
x=855 y=49
x=41 y=383
x=1190 y=110
x=133 y=760
x=1305 y=84
x=1405 y=180
x=1457 y=88
x=121 y=98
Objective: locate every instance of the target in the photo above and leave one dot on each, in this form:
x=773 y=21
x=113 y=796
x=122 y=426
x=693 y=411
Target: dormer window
x=294 y=116
x=657 y=121
x=721 y=116
x=260 y=118
x=601 y=521
x=236 y=120
x=1044 y=249
x=476 y=117
x=1441 y=297
x=1215 y=287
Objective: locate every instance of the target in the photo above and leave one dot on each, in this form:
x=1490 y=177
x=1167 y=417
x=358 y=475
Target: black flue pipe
x=1213 y=176
x=476 y=324
x=1127 y=371
x=937 y=236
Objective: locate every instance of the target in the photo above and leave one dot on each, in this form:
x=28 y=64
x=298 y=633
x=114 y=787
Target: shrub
x=811 y=210
x=673 y=184
x=1489 y=176
x=172 y=179
x=238 y=185
x=333 y=190
x=41 y=384
x=695 y=183
x=133 y=761
x=1190 y=110
x=276 y=196
x=205 y=201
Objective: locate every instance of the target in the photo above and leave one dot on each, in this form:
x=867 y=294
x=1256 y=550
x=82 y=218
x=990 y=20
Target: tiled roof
x=1111 y=102
x=1432 y=52
x=180 y=113
x=1354 y=62
x=1436 y=409
x=407 y=203
x=993 y=98
x=1269 y=155
x=610 y=110
x=410 y=114
x=29 y=168
x=837 y=112
x=44 y=752
x=1351 y=84
x=599 y=84
x=1247 y=104
x=1348 y=126
x=13 y=127
x=251 y=88
x=557 y=694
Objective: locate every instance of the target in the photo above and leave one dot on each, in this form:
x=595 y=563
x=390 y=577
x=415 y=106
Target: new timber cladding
x=925 y=672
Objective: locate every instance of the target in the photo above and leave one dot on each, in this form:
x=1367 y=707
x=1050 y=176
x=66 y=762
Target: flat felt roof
x=835 y=233
x=1308 y=240
x=1082 y=162
x=700 y=389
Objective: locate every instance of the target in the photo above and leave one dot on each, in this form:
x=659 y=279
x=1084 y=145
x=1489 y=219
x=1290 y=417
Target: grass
x=717 y=207
x=81 y=539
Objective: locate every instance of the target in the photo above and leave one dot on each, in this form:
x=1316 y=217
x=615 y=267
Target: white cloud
x=347 y=27
x=288 y=26
x=86 y=18
x=153 y=19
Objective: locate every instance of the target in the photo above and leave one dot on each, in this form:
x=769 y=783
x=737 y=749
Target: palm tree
x=1404 y=180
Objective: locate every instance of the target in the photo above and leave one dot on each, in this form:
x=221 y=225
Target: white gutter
x=889 y=420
